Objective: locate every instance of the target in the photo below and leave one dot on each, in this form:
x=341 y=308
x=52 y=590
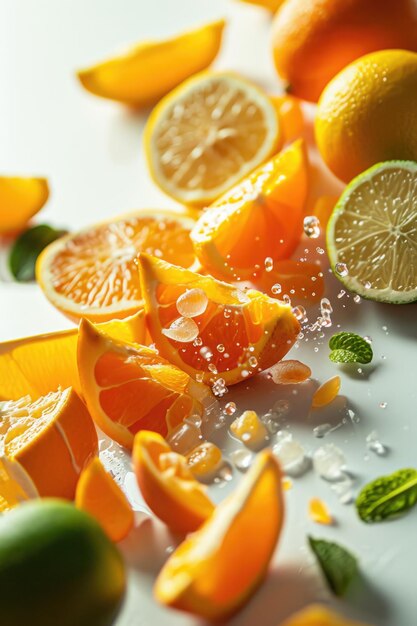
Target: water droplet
x=206 y=353
x=356 y=298
x=374 y=444
x=367 y=284
x=276 y=289
x=269 y=264
x=312 y=226
x=286 y=299
x=322 y=430
x=299 y=312
x=368 y=339
x=343 y=488
x=290 y=453
x=341 y=269
x=320 y=251
x=328 y=461
x=253 y=361
x=192 y=303
x=341 y=293
x=326 y=308
x=383 y=405
x=242 y=459
x=220 y=348
x=182 y=329
x=230 y=408
x=219 y=387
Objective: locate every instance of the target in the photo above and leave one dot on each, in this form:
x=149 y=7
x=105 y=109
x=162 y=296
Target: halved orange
x=38 y=364
x=214 y=571
x=260 y=219
x=318 y=615
x=20 y=199
x=129 y=387
x=93 y=274
x=167 y=484
x=99 y=494
x=51 y=439
x=239 y=333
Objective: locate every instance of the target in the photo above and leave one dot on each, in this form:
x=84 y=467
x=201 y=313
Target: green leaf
x=388 y=497
x=337 y=564
x=349 y=348
x=28 y=247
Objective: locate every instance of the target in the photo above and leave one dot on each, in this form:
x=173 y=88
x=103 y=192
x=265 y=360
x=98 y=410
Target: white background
x=91 y=152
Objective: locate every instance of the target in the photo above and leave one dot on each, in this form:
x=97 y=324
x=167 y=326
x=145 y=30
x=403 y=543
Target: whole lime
x=57 y=568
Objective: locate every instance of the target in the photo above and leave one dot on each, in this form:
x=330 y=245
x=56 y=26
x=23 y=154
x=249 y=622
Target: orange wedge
x=16 y=485
x=20 y=199
x=258 y=222
x=211 y=574
x=318 y=615
x=237 y=334
x=209 y=133
x=167 y=484
x=93 y=274
x=145 y=73
x=36 y=365
x=129 y=387
x=51 y=439
x=98 y=494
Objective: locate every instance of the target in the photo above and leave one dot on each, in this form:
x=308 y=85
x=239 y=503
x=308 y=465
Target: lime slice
x=372 y=233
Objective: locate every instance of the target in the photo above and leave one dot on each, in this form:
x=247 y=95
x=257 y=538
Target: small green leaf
x=349 y=348
x=28 y=247
x=337 y=564
x=388 y=497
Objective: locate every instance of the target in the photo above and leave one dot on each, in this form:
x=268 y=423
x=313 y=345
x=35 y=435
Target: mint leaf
x=349 y=348
x=28 y=247
x=337 y=564
x=388 y=496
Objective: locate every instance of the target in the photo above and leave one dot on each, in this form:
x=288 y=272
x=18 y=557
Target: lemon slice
x=209 y=133
x=372 y=233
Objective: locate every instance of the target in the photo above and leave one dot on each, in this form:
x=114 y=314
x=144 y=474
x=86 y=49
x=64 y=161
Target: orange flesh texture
x=98 y=494
x=167 y=485
x=290 y=371
x=327 y=392
x=204 y=459
x=262 y=217
x=298 y=280
x=318 y=512
x=218 y=574
x=97 y=267
x=52 y=448
x=129 y=387
x=225 y=321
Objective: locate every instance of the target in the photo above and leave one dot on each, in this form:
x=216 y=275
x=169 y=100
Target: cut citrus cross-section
x=129 y=387
x=261 y=218
x=51 y=440
x=233 y=335
x=93 y=274
x=151 y=69
x=211 y=574
x=167 y=484
x=209 y=133
x=16 y=486
x=20 y=199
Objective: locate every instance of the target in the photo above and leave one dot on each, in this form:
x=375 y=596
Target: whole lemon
x=313 y=40
x=57 y=568
x=368 y=113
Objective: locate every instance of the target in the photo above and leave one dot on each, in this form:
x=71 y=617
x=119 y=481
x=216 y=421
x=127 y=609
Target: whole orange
x=314 y=39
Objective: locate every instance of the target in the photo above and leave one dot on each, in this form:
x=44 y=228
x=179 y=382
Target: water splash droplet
x=341 y=269
x=312 y=226
x=230 y=408
x=374 y=444
x=269 y=264
x=276 y=289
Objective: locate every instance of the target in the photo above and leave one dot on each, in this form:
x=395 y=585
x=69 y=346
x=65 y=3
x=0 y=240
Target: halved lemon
x=93 y=273
x=372 y=233
x=215 y=570
x=209 y=133
x=231 y=334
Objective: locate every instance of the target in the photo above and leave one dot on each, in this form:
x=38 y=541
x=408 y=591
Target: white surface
x=91 y=151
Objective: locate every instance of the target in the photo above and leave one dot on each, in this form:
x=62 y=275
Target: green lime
x=57 y=568
x=372 y=233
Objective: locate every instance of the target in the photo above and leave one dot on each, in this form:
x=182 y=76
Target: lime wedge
x=372 y=233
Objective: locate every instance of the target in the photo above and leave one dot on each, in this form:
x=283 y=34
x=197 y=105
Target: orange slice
x=318 y=615
x=93 y=274
x=151 y=69
x=207 y=134
x=238 y=333
x=98 y=494
x=259 y=221
x=211 y=574
x=51 y=439
x=129 y=387
x=36 y=365
x=20 y=199
x=167 y=484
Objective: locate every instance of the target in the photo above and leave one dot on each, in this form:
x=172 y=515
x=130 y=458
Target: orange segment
x=211 y=574
x=204 y=460
x=318 y=615
x=129 y=387
x=318 y=512
x=207 y=134
x=36 y=365
x=298 y=280
x=16 y=485
x=20 y=199
x=52 y=439
x=98 y=494
x=151 y=69
x=93 y=273
x=249 y=429
x=261 y=218
x=167 y=484
x=290 y=372
x=326 y=393
x=254 y=330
